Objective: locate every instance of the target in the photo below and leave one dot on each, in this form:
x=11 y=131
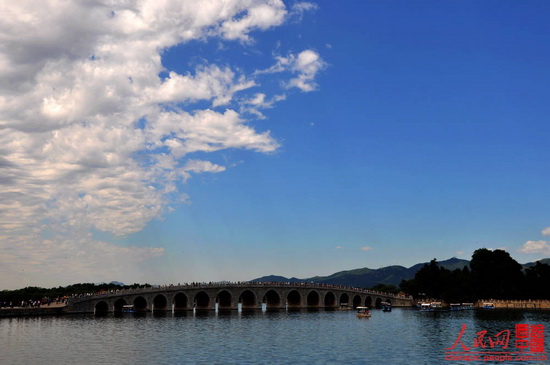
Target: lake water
x=404 y=336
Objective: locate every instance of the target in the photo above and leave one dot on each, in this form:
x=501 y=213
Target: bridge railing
x=245 y=284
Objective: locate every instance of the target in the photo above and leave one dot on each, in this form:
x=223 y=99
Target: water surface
x=404 y=336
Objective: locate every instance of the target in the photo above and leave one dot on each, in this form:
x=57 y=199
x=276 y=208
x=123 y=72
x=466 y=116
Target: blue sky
x=318 y=137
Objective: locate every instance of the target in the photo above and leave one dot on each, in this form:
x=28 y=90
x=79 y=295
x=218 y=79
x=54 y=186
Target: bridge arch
x=272 y=299
x=356 y=301
x=224 y=300
x=119 y=304
x=378 y=303
x=160 y=303
x=101 y=307
x=344 y=299
x=181 y=302
x=140 y=304
x=294 y=299
x=202 y=300
x=247 y=300
x=330 y=300
x=313 y=300
x=368 y=301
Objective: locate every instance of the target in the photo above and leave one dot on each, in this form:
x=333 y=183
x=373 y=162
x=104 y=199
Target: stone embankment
x=518 y=304
x=53 y=309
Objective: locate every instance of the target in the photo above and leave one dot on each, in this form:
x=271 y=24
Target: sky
x=177 y=141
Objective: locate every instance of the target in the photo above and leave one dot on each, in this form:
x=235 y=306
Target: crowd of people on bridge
x=233 y=284
x=46 y=301
x=34 y=303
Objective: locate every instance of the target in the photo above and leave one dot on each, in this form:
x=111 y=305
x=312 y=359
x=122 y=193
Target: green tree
x=430 y=281
x=496 y=275
x=537 y=279
x=457 y=286
x=386 y=288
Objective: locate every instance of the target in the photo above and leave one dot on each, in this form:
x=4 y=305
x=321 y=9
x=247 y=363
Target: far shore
x=53 y=308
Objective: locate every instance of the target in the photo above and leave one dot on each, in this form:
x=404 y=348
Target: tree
x=493 y=274
x=430 y=281
x=386 y=288
x=496 y=275
x=457 y=286
x=537 y=281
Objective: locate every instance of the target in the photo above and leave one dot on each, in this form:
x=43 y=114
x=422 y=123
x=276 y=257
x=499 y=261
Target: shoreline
x=53 y=309
x=61 y=309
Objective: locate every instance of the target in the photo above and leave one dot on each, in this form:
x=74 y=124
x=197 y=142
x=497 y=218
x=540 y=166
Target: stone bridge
x=233 y=296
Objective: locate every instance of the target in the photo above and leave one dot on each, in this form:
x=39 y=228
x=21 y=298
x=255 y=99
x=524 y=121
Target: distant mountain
x=389 y=275
x=529 y=264
x=367 y=278
x=112 y=282
x=450 y=264
x=277 y=279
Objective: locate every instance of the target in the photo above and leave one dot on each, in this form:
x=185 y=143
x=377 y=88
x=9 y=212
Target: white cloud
x=92 y=138
x=210 y=82
x=69 y=257
x=258 y=102
x=206 y=131
x=546 y=231
x=304 y=6
x=304 y=66
x=365 y=248
x=258 y=15
x=298 y=9
x=202 y=166
x=541 y=247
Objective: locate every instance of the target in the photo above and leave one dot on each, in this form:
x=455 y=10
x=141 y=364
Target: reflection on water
x=404 y=336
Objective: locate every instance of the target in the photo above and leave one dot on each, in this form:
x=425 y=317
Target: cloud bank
x=92 y=138
x=541 y=247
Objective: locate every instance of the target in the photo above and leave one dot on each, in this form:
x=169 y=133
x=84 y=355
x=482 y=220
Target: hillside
x=542 y=261
x=366 y=278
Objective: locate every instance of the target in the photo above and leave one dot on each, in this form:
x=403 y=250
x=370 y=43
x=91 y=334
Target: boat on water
x=456 y=306
x=345 y=307
x=386 y=307
x=424 y=307
x=467 y=306
x=363 y=312
x=431 y=307
x=128 y=309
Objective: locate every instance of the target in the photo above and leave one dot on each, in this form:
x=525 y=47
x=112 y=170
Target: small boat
x=345 y=307
x=488 y=306
x=456 y=306
x=386 y=307
x=467 y=306
x=425 y=307
x=363 y=312
x=431 y=307
x=128 y=309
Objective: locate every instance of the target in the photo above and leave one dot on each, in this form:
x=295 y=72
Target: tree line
x=493 y=274
x=37 y=293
